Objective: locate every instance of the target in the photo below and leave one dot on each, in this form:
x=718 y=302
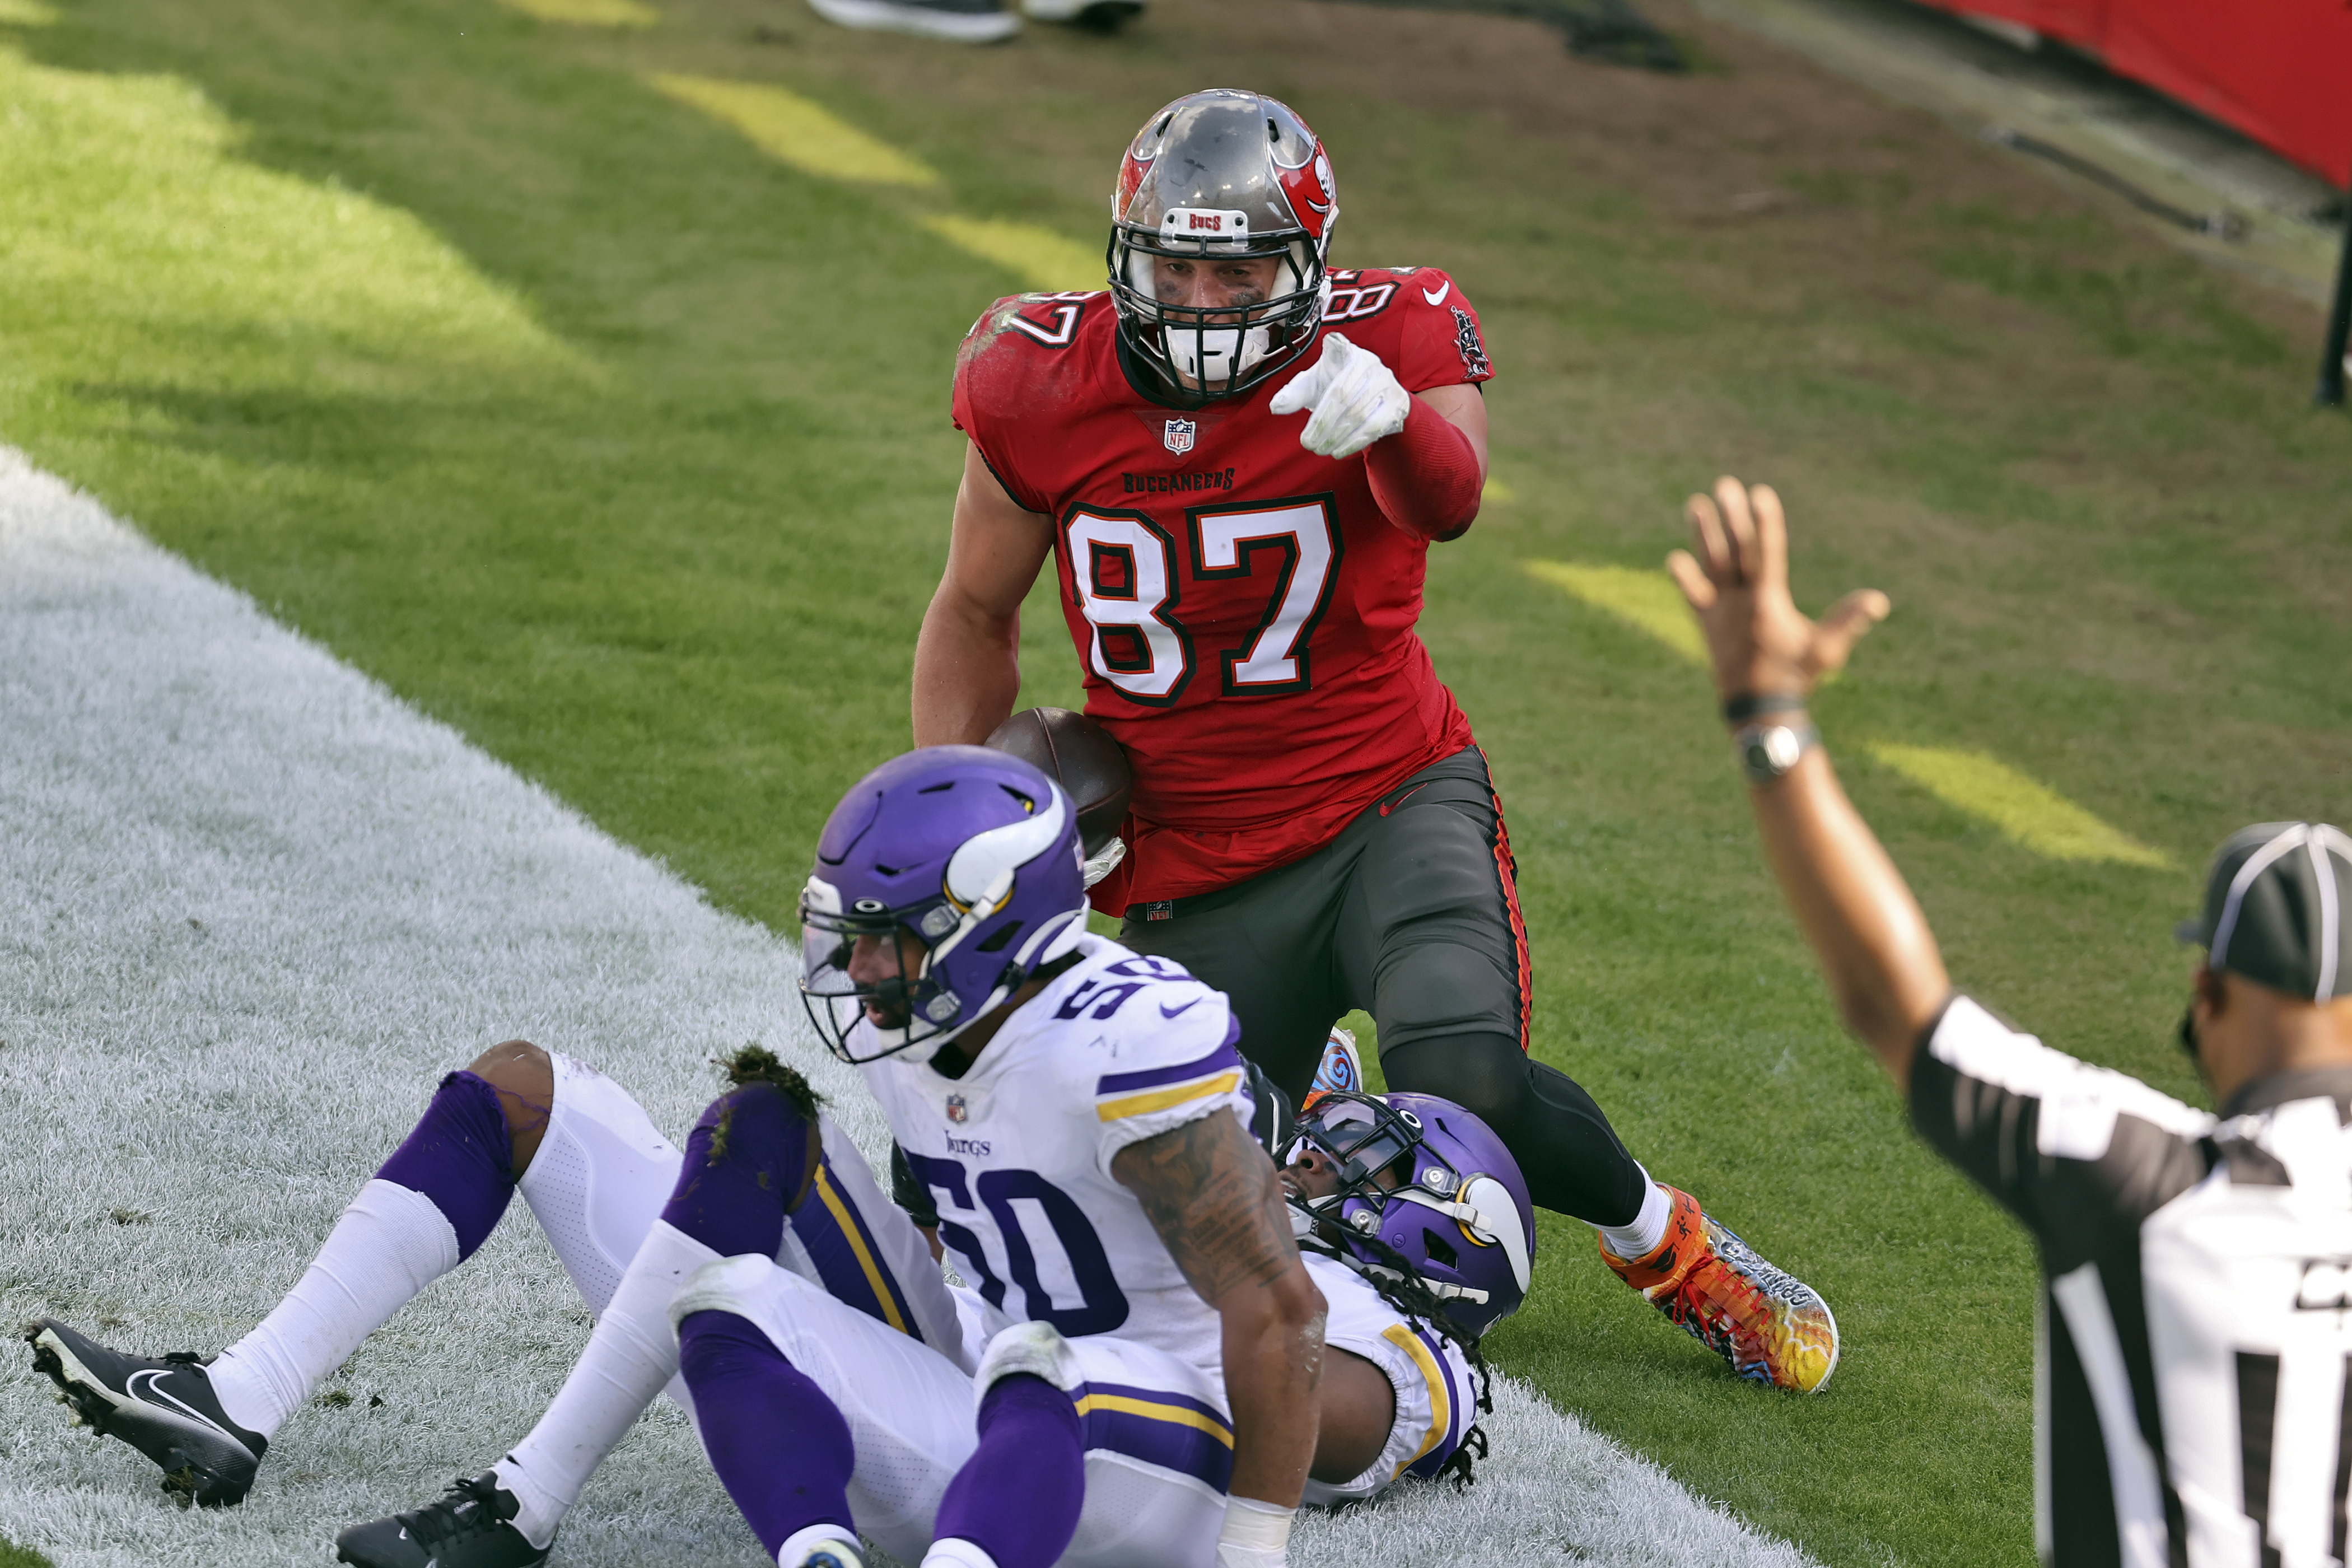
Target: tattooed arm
x=1213 y=1196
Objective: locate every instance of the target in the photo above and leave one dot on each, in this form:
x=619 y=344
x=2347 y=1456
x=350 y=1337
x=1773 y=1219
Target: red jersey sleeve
x=1439 y=342
x=991 y=388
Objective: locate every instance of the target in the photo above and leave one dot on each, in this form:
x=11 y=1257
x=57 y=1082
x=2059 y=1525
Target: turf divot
x=250 y=907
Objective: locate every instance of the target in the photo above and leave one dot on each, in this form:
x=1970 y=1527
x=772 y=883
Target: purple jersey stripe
x=1224 y=1057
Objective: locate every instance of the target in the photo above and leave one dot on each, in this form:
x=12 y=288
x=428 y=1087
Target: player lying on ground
x=1314 y=828
x=569 y=1131
x=2195 y=1402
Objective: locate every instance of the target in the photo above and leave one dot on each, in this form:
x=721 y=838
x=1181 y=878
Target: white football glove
x=1357 y=399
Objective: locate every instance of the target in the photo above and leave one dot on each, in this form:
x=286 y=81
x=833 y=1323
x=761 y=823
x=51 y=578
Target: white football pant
x=1159 y=1438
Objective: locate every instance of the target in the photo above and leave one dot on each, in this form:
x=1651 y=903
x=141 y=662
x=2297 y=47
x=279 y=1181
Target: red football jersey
x=1242 y=610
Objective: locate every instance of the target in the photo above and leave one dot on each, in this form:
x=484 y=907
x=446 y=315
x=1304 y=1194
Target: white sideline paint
x=251 y=906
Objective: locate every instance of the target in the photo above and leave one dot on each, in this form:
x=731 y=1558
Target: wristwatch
x=1767 y=752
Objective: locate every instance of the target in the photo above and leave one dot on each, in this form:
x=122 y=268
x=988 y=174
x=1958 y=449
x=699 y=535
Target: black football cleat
x=467 y=1528
x=165 y=1409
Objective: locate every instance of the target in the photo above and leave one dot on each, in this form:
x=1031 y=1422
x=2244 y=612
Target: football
x=1080 y=755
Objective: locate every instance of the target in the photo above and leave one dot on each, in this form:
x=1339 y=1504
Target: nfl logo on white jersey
x=1179 y=436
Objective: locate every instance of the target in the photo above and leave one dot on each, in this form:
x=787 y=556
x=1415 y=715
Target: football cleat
x=1767 y=1325
x=166 y=1409
x=468 y=1528
x=1341 y=1069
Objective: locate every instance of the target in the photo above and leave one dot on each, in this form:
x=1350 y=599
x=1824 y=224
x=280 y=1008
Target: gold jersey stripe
x=1440 y=1410
x=848 y=1223
x=1149 y=1410
x=1129 y=1105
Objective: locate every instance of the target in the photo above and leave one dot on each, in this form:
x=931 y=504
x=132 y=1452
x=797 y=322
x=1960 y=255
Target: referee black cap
x=2278 y=909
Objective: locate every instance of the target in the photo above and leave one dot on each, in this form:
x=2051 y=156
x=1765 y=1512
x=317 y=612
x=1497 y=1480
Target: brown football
x=1078 y=753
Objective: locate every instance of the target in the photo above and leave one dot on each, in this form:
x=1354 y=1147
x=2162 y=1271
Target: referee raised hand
x=2198 y=1268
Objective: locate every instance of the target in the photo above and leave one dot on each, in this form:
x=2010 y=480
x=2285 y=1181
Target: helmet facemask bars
x=1213 y=178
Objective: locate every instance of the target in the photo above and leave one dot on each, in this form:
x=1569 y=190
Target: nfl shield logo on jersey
x=1179 y=436
x=955 y=1107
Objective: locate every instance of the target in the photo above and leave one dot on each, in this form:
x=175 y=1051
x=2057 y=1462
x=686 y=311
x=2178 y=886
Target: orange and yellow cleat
x=1769 y=1325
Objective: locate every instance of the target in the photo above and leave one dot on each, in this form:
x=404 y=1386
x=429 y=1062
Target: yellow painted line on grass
x=1039 y=257
x=27 y=14
x=1647 y=601
x=1497 y=491
x=584 y=13
x=796 y=130
x=2037 y=818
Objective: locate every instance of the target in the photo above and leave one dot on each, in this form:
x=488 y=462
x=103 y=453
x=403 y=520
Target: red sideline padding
x=2279 y=70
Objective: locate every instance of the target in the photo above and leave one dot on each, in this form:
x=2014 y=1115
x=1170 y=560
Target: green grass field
x=553 y=401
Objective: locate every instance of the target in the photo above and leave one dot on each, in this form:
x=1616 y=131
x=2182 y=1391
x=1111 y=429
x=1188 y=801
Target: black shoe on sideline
x=165 y=1409
x=467 y=1528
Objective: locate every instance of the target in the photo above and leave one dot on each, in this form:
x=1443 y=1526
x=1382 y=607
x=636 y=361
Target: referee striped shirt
x=2192 y=1401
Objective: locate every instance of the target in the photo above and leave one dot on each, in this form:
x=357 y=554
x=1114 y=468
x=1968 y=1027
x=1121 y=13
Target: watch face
x=1767 y=754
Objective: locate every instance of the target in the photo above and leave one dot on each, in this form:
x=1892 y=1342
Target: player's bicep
x=996 y=545
x=1212 y=1196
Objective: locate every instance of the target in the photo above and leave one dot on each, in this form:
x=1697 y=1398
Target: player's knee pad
x=1483 y=1073
x=748 y=1164
x=1031 y=1350
x=599 y=1178
x=460 y=1156
x=738 y=1286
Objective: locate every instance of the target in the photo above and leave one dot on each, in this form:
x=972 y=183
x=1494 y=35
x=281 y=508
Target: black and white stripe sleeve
x=2070 y=1149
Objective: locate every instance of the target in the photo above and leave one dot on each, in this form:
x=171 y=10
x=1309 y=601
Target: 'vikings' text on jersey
x=1243 y=611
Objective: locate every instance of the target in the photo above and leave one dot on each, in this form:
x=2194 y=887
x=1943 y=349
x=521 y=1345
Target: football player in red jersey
x=1313 y=827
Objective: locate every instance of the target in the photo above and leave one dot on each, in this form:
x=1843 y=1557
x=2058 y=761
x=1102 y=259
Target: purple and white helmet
x=1424 y=1183
x=973 y=850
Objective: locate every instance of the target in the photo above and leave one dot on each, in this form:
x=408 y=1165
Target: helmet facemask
x=1211 y=352
x=971 y=919
x=1402 y=1209
x=1211 y=178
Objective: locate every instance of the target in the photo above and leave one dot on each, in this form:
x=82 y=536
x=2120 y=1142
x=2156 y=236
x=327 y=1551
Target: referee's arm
x=1874 y=943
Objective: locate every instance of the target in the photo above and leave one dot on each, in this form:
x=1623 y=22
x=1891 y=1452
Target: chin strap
x=1425 y=477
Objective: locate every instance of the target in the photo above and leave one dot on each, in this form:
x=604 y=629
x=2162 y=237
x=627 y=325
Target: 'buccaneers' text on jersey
x=1244 y=612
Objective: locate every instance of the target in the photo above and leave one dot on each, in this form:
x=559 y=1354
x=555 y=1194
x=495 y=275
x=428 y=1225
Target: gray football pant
x=1412 y=913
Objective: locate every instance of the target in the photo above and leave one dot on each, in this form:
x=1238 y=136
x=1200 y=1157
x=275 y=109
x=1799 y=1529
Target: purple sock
x=744 y=1162
x=461 y=1157
x=781 y=1448
x=1017 y=1497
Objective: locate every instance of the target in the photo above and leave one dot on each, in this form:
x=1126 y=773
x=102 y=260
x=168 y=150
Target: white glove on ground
x=1256 y=1535
x=1357 y=399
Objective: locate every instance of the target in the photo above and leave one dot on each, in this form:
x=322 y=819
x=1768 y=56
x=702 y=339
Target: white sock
x=630 y=1358
x=1643 y=1232
x=952 y=1552
x=389 y=1245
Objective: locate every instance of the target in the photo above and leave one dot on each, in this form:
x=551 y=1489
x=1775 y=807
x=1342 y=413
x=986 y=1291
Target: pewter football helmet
x=1215 y=175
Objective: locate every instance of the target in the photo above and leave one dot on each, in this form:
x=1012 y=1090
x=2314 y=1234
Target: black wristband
x=1749 y=705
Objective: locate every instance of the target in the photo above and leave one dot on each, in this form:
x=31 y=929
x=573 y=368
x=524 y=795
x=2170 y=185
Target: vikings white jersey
x=1017 y=1152
x=1436 y=1396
